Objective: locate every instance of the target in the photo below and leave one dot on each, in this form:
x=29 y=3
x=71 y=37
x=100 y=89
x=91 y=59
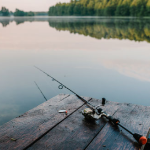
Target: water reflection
x=132 y=28
x=116 y=69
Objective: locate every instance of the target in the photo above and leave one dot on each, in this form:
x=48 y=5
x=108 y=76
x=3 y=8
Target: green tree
x=110 y=9
x=102 y=7
x=77 y=9
x=19 y=13
x=22 y=13
x=30 y=13
x=123 y=10
x=148 y=8
x=90 y=8
x=4 y=11
x=136 y=6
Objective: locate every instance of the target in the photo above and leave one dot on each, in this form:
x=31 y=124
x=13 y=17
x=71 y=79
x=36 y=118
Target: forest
x=5 y=12
x=101 y=8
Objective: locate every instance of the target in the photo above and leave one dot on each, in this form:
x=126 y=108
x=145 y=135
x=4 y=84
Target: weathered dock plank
x=135 y=118
x=74 y=132
x=44 y=128
x=27 y=128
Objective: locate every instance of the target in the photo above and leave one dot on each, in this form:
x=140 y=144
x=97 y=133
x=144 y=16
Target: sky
x=29 y=5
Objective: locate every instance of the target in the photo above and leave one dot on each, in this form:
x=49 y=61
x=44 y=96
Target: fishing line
x=40 y=90
x=61 y=86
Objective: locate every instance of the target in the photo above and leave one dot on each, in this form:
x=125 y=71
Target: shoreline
x=93 y=17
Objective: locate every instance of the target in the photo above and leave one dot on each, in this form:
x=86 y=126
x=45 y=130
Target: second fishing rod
x=95 y=112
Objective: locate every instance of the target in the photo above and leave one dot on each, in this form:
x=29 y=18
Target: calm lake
x=95 y=57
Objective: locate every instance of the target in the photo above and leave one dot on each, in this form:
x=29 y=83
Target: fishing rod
x=40 y=90
x=61 y=86
x=95 y=112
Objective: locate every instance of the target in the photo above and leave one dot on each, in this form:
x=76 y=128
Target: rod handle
x=140 y=138
x=113 y=120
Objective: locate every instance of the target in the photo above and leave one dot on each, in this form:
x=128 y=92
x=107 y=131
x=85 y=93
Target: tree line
x=22 y=13
x=5 y=12
x=101 y=8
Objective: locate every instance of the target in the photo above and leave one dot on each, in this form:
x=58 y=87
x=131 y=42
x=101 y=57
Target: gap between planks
x=54 y=126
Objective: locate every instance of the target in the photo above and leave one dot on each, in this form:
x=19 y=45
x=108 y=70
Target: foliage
x=40 y=13
x=4 y=12
x=101 y=8
x=22 y=13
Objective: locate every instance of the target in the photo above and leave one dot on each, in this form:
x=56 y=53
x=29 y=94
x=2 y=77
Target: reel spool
x=90 y=114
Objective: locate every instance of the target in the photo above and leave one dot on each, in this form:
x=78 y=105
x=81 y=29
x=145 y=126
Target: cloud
x=136 y=69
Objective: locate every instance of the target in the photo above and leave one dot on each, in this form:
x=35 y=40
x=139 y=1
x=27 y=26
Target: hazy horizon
x=30 y=5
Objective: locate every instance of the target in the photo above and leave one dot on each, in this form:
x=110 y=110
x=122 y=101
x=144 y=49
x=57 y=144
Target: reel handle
x=139 y=138
x=113 y=120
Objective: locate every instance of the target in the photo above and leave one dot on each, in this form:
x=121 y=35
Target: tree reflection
x=137 y=30
x=5 y=23
x=107 y=28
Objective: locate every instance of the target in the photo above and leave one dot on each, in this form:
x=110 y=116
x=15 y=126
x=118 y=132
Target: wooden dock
x=43 y=128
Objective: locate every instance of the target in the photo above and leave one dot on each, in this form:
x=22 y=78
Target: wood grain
x=28 y=127
x=135 y=118
x=43 y=128
x=74 y=133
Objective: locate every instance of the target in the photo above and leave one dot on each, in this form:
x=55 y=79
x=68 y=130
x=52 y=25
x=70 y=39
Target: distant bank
x=134 y=8
x=102 y=8
x=5 y=12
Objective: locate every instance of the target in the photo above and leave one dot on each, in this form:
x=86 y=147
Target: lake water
x=95 y=57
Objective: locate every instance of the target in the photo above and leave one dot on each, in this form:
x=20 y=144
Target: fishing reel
x=94 y=114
